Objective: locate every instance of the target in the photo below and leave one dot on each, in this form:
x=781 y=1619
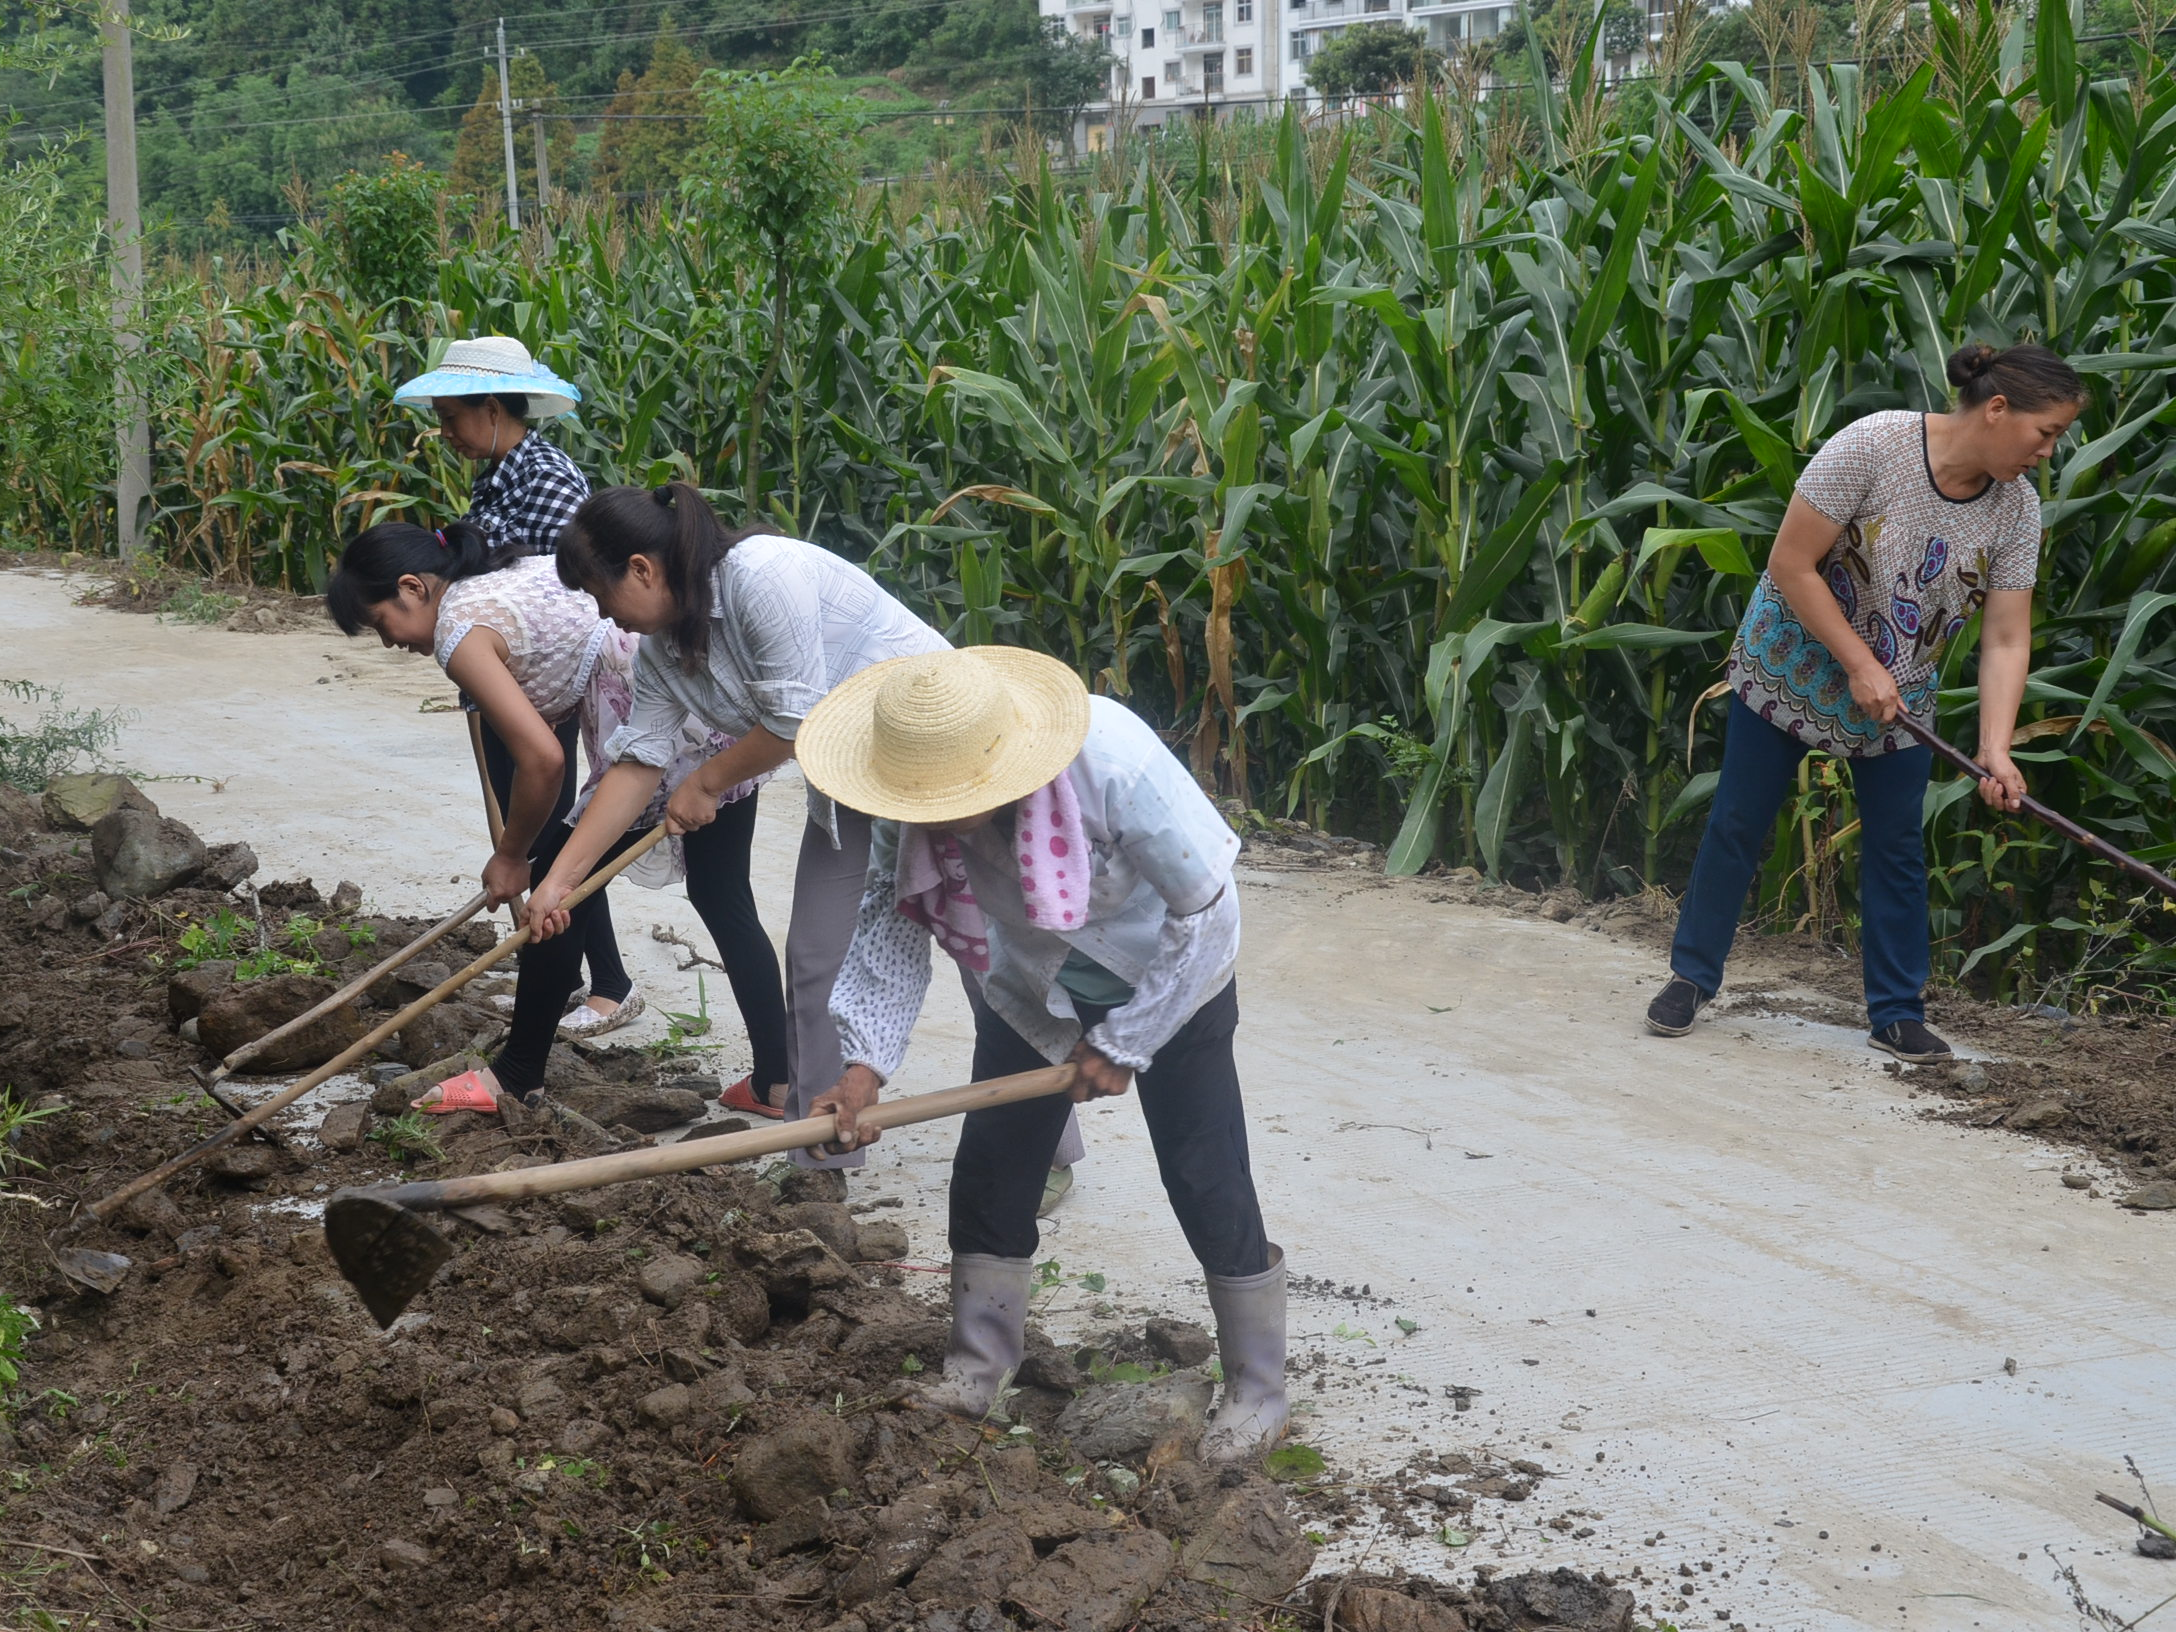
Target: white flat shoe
x=585 y=1021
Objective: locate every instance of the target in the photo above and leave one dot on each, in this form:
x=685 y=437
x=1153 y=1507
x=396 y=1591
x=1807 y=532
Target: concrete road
x=1747 y=1307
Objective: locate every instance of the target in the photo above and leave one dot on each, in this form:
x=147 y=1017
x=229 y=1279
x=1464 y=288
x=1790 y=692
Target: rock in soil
x=227 y=867
x=1561 y=1598
x=79 y=803
x=828 y=1221
x=2156 y=1197
x=2039 y=1113
x=634 y=1107
x=880 y=1243
x=1249 y=1546
x=188 y=990
x=976 y=1568
x=1179 y=1342
x=1129 y=1421
x=1379 y=1609
x=666 y=1281
x=450 y=1028
x=242 y=1014
x=777 y=1472
x=85 y=908
x=139 y=856
x=345 y=1126
x=1096 y=1584
x=174 y=1488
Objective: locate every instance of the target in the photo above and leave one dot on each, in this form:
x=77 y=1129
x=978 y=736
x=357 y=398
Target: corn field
x=1410 y=473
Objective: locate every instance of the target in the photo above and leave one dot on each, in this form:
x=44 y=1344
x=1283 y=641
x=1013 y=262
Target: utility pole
x=124 y=220
x=506 y=126
x=543 y=169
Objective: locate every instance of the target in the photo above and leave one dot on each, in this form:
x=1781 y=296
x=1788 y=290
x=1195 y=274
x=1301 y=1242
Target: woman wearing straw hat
x=1051 y=843
x=487 y=392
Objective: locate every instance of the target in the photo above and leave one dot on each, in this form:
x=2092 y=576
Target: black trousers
x=718 y=888
x=608 y=977
x=1190 y=1098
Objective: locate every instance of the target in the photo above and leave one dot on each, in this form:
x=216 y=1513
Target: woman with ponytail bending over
x=536 y=657
x=1903 y=526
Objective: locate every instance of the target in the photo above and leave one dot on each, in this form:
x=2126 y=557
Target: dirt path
x=1749 y=1309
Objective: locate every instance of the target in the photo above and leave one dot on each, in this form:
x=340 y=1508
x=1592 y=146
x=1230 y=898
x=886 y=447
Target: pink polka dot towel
x=1050 y=849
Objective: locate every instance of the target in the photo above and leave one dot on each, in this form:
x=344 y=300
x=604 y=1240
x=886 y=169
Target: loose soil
x=671 y=1404
x=161 y=591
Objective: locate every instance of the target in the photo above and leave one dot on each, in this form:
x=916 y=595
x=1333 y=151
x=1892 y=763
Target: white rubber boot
x=989 y=1334
x=1250 y=1342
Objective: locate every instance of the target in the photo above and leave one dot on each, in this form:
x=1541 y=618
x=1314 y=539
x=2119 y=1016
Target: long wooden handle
x=594 y=1171
x=430 y=1000
x=2034 y=808
x=354 y=988
x=494 y=818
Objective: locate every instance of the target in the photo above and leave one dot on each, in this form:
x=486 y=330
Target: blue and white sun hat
x=493 y=365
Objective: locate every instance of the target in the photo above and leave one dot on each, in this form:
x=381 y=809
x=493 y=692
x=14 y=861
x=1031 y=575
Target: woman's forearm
x=759 y=752
x=2002 y=693
x=1817 y=608
x=535 y=791
x=622 y=795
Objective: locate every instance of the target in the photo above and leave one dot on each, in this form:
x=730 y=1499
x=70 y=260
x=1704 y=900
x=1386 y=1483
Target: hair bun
x=1970 y=362
x=662 y=496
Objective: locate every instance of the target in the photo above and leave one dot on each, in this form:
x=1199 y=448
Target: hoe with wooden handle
x=109 y=1205
x=389 y=1254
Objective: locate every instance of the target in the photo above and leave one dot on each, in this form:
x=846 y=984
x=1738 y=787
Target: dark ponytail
x=675 y=527
x=376 y=560
x=2029 y=378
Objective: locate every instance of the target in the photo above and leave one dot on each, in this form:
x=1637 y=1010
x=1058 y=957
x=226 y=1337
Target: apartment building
x=1209 y=58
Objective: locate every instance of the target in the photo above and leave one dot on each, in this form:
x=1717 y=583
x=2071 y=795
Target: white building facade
x=1211 y=58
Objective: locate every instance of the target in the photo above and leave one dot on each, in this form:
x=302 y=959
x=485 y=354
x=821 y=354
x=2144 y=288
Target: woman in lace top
x=534 y=655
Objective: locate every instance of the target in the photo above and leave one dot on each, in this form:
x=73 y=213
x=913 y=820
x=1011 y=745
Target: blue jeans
x=1759 y=764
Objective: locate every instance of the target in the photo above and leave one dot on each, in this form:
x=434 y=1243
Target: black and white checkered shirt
x=529 y=496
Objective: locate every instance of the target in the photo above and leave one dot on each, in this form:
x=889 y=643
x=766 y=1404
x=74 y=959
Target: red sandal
x=463 y=1093
x=742 y=1096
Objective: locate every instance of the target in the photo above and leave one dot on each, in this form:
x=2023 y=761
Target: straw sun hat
x=494 y=364
x=940 y=736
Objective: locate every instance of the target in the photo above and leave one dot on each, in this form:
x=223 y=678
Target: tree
x=479 y=152
x=1371 y=60
x=779 y=162
x=1063 y=73
x=386 y=228
x=645 y=147
x=1561 y=28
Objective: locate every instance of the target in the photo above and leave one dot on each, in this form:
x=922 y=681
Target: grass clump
x=409 y=1137
x=54 y=739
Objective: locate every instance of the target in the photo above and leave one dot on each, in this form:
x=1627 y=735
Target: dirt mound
x=675 y=1403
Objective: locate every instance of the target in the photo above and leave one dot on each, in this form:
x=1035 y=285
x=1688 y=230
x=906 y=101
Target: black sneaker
x=1911 y=1042
x=1676 y=1007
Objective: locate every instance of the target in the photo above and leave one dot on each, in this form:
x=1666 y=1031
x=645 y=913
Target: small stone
x=2153 y=1544
x=2038 y=1113
x=403 y=1555
x=633 y=1106
x=2157 y=1197
x=667 y=1280
x=133 y=1048
x=188 y=990
x=2077 y=1181
x=1563 y=1597
x=80 y=802
x=442 y=1496
x=227 y=867
x=504 y=1421
x=1136 y=1420
x=880 y=1243
x=112 y=921
x=245 y=1164
x=806 y=1461
x=1180 y=1343
x=583 y=1436
x=497 y=1458
x=828 y=1221
x=347 y=899
x=90 y=906
x=154 y=1213
x=665 y=1407
x=174 y=1488
x=345 y=1126
x=188 y=1031
x=139 y=855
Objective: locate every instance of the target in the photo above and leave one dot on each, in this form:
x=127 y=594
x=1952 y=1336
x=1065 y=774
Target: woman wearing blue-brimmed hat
x=486 y=393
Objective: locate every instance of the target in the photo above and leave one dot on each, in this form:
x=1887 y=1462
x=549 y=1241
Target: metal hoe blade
x=387 y=1253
